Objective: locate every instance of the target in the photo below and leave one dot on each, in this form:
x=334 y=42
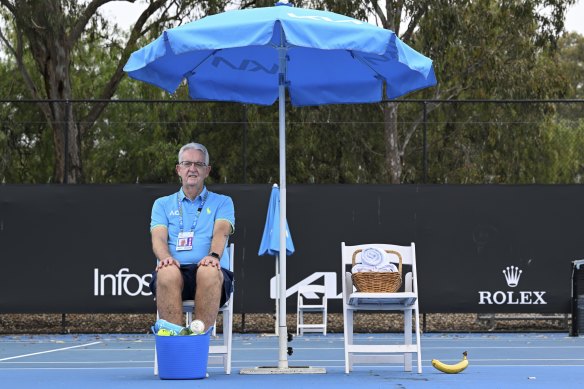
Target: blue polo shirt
x=165 y=212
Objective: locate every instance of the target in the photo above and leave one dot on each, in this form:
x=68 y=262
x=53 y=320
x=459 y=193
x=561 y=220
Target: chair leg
x=297 y=321
x=348 y=325
x=418 y=340
x=155 y=353
x=301 y=322
x=227 y=334
x=408 y=339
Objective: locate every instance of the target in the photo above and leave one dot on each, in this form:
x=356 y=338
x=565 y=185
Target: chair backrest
x=408 y=254
x=231 y=249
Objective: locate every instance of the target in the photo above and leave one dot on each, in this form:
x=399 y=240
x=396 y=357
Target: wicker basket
x=378 y=282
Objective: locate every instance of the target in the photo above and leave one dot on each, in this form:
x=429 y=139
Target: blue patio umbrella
x=255 y=55
x=270 y=243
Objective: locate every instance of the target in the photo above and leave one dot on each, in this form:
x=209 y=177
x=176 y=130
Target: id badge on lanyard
x=184 y=242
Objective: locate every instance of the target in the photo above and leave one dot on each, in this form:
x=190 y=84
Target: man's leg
x=169 y=285
x=208 y=294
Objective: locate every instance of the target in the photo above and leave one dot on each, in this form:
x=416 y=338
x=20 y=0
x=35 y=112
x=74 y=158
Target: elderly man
x=190 y=230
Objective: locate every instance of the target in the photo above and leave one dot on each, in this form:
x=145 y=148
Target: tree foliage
x=481 y=49
x=571 y=59
x=50 y=41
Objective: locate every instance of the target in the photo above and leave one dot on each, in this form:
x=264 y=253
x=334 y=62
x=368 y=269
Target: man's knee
x=169 y=277
x=209 y=275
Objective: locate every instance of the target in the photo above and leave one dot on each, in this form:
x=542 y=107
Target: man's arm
x=221 y=232
x=160 y=247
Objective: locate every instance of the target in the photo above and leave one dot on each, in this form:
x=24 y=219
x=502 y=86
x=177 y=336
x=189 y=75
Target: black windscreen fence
x=480 y=248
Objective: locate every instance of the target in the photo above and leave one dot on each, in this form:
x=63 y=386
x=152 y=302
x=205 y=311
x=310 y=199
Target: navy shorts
x=189 y=275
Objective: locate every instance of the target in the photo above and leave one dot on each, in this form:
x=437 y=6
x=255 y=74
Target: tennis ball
x=197 y=327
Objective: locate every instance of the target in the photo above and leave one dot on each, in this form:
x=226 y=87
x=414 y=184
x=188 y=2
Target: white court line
x=342 y=348
x=523 y=359
x=318 y=361
x=361 y=367
x=121 y=349
x=75 y=368
x=470 y=347
x=48 y=351
x=219 y=369
x=76 y=363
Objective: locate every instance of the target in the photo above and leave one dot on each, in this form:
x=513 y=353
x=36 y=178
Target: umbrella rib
x=194 y=69
x=358 y=58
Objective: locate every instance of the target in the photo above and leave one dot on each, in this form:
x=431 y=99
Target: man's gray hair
x=194 y=146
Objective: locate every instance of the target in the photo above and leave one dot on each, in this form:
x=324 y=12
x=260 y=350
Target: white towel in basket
x=374 y=259
x=373 y=256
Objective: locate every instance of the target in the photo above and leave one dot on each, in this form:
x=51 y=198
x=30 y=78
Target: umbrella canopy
x=329 y=58
x=270 y=243
x=255 y=55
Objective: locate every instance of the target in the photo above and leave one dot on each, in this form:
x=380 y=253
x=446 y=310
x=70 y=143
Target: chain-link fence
x=421 y=141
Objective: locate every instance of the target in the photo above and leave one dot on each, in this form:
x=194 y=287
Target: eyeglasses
x=189 y=164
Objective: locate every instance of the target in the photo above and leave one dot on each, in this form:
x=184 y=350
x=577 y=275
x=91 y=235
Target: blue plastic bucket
x=183 y=357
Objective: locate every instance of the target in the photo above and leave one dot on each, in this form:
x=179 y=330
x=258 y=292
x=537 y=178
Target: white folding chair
x=311 y=292
x=406 y=301
x=218 y=354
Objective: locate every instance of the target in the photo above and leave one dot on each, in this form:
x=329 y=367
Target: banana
x=451 y=369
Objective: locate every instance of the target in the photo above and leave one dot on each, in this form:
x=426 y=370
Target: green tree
x=571 y=56
x=484 y=48
x=494 y=51
x=57 y=35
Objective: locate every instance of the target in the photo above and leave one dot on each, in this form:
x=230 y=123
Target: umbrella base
x=288 y=370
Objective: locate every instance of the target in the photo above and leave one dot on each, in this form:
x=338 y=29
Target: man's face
x=192 y=175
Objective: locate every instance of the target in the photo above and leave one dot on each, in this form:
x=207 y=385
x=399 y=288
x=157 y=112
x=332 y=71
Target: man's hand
x=170 y=261
x=210 y=261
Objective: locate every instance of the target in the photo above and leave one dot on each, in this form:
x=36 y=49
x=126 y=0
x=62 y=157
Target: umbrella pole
x=277 y=318
x=282 y=330
x=283 y=367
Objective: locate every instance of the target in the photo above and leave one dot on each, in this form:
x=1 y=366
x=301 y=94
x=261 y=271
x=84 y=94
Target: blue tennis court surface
x=115 y=361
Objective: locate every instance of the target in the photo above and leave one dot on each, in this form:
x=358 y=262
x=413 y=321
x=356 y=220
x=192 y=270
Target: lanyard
x=180 y=213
